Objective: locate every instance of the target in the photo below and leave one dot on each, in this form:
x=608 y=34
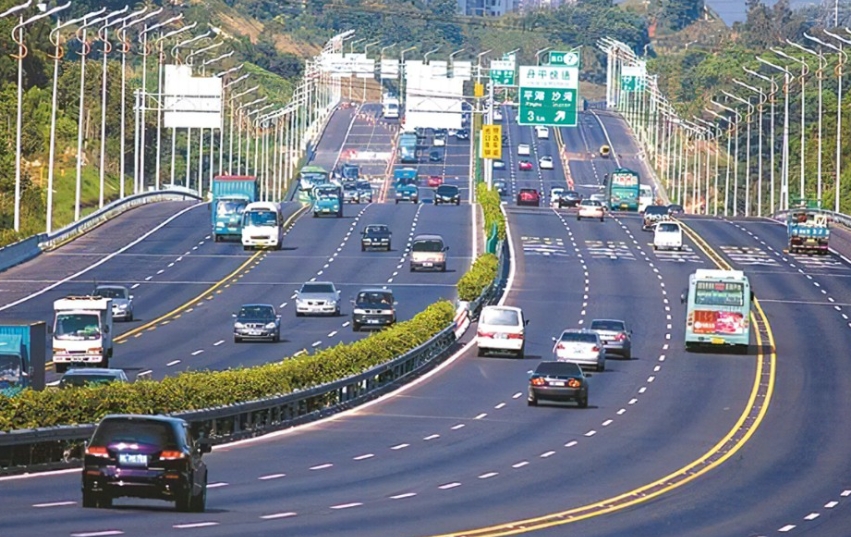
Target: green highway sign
x=549 y=95
x=569 y=58
x=502 y=72
x=547 y=106
x=633 y=77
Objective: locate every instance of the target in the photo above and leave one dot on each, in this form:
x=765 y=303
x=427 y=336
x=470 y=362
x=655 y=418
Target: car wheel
x=91 y=500
x=337 y=312
x=578 y=217
x=362 y=248
x=198 y=504
x=627 y=355
x=397 y=202
x=299 y=314
x=60 y=368
x=237 y=339
x=521 y=354
x=355 y=327
x=583 y=402
x=458 y=202
x=601 y=219
x=532 y=401
x=601 y=367
x=480 y=352
x=129 y=317
x=184 y=502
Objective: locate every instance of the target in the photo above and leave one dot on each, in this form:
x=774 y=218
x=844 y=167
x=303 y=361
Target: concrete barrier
x=19 y=252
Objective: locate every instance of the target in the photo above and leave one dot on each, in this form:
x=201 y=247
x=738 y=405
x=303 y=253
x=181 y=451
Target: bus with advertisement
x=311 y=176
x=623 y=190
x=718 y=309
x=408 y=148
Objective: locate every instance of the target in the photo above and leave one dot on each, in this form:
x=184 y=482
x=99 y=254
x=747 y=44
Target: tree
x=677 y=14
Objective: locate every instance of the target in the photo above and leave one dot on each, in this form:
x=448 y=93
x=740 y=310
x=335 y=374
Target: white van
x=542 y=132
x=262 y=226
x=428 y=252
x=501 y=329
x=668 y=235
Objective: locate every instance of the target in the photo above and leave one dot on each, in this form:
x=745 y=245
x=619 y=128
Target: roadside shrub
x=490 y=201
x=481 y=274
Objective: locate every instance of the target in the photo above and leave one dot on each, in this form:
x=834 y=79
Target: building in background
x=487 y=8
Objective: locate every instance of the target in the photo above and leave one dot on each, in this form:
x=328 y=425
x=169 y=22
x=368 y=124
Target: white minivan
x=501 y=329
x=542 y=132
x=668 y=235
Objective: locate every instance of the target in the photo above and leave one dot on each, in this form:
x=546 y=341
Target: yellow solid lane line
x=748 y=422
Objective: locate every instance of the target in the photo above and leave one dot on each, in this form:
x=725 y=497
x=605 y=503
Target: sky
x=734 y=10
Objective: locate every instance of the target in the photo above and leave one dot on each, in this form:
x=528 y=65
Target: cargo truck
x=82 y=332
x=22 y=356
x=231 y=195
x=807 y=228
x=405 y=185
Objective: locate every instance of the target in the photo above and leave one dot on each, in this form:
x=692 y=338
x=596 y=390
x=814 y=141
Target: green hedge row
x=490 y=201
x=480 y=275
x=205 y=389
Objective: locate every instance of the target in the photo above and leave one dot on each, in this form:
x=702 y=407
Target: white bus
x=391 y=108
x=645 y=197
x=262 y=226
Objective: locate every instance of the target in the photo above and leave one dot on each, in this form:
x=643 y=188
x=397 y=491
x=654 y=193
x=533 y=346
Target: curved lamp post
x=784 y=169
x=735 y=129
x=749 y=117
x=771 y=98
x=805 y=68
x=822 y=63
x=841 y=58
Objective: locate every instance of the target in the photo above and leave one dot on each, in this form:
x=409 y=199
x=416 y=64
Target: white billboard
x=438 y=69
x=431 y=102
x=190 y=102
x=462 y=70
x=390 y=69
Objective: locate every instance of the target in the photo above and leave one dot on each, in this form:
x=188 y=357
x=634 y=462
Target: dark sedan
x=375 y=236
x=447 y=194
x=152 y=457
x=373 y=308
x=570 y=198
x=256 y=321
x=558 y=381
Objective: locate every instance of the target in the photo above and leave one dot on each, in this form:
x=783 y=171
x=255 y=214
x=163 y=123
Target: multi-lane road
x=662 y=450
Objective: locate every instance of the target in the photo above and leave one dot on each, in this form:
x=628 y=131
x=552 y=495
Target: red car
x=435 y=181
x=528 y=196
x=525 y=166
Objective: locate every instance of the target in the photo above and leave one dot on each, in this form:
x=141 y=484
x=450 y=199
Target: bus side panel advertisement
x=718 y=322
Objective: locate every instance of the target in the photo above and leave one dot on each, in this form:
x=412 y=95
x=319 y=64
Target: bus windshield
x=718 y=294
x=260 y=218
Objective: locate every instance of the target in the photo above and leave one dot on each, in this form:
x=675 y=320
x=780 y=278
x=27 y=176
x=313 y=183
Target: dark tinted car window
x=607 y=325
x=135 y=431
x=317 y=288
x=428 y=246
x=375 y=298
x=256 y=312
x=111 y=292
x=580 y=338
x=82 y=380
x=447 y=190
x=668 y=228
x=377 y=229
x=558 y=369
x=656 y=209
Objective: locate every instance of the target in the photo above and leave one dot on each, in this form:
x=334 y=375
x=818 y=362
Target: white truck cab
x=82 y=331
x=262 y=226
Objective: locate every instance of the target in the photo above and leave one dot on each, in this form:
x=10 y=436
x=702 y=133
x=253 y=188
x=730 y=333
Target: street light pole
x=230 y=123
x=805 y=68
x=735 y=159
x=749 y=118
x=842 y=56
x=538 y=54
x=402 y=72
x=239 y=126
x=729 y=130
x=771 y=97
x=426 y=55
x=822 y=63
x=784 y=170
x=759 y=147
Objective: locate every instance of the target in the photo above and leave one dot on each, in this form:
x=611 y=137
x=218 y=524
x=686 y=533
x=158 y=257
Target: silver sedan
x=617 y=338
x=317 y=298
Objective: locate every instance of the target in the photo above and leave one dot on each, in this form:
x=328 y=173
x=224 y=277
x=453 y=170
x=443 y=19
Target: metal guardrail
x=835 y=218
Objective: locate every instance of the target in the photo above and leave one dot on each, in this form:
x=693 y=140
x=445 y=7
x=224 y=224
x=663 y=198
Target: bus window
x=718 y=308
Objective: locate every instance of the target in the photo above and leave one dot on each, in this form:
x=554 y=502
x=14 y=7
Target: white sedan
x=524 y=150
x=590 y=209
x=439 y=141
x=582 y=347
x=546 y=163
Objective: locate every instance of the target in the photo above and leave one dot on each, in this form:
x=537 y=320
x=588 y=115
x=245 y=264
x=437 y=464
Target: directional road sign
x=492 y=141
x=568 y=59
x=548 y=95
x=633 y=77
x=502 y=72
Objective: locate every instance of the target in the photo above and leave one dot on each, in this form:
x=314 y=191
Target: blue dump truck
x=807 y=228
x=327 y=200
x=231 y=194
x=22 y=356
x=405 y=185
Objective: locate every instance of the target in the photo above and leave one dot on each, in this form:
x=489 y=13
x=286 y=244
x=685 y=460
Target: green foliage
x=677 y=14
x=205 y=389
x=481 y=274
x=490 y=201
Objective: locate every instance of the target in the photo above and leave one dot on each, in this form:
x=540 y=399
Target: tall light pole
x=385 y=48
x=729 y=130
x=762 y=99
x=735 y=159
x=143 y=103
x=784 y=170
x=125 y=48
x=365 y=52
x=427 y=54
x=238 y=122
x=204 y=65
x=538 y=54
x=103 y=36
x=230 y=122
x=822 y=63
x=56 y=41
x=249 y=124
x=239 y=133
x=771 y=98
x=402 y=73
x=18 y=38
x=805 y=68
x=749 y=118
x=842 y=57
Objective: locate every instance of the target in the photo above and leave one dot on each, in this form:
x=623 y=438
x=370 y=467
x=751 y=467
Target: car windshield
x=447 y=190
x=546 y=159
x=111 y=292
x=225 y=208
x=350 y=172
x=656 y=209
x=428 y=246
x=558 y=369
x=317 y=288
x=577 y=337
x=350 y=187
x=667 y=227
x=84 y=379
x=135 y=431
x=374 y=297
x=326 y=193
x=500 y=317
x=364 y=186
x=256 y=312
x=77 y=326
x=377 y=229
x=607 y=325
x=260 y=218
x=590 y=203
x=571 y=194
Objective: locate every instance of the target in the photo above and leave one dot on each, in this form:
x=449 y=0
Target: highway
x=460 y=449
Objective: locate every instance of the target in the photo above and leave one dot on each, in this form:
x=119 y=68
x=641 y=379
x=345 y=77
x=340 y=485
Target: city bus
x=622 y=189
x=311 y=176
x=718 y=308
x=408 y=148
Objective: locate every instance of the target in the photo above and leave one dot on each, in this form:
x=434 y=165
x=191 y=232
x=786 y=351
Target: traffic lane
x=369 y=143
x=619 y=132
x=334 y=137
x=48 y=268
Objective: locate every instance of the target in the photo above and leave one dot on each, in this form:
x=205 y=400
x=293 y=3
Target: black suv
x=447 y=194
x=154 y=457
x=256 y=321
x=375 y=236
x=373 y=308
x=654 y=214
x=570 y=198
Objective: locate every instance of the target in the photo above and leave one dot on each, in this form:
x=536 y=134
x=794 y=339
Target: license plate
x=717 y=341
x=501 y=336
x=132 y=459
x=427 y=264
x=556 y=383
x=372 y=321
x=254 y=332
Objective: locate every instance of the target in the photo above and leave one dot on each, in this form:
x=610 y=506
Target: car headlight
x=220 y=224
x=121 y=306
x=270 y=326
x=386 y=312
x=299 y=301
x=359 y=311
x=238 y=326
